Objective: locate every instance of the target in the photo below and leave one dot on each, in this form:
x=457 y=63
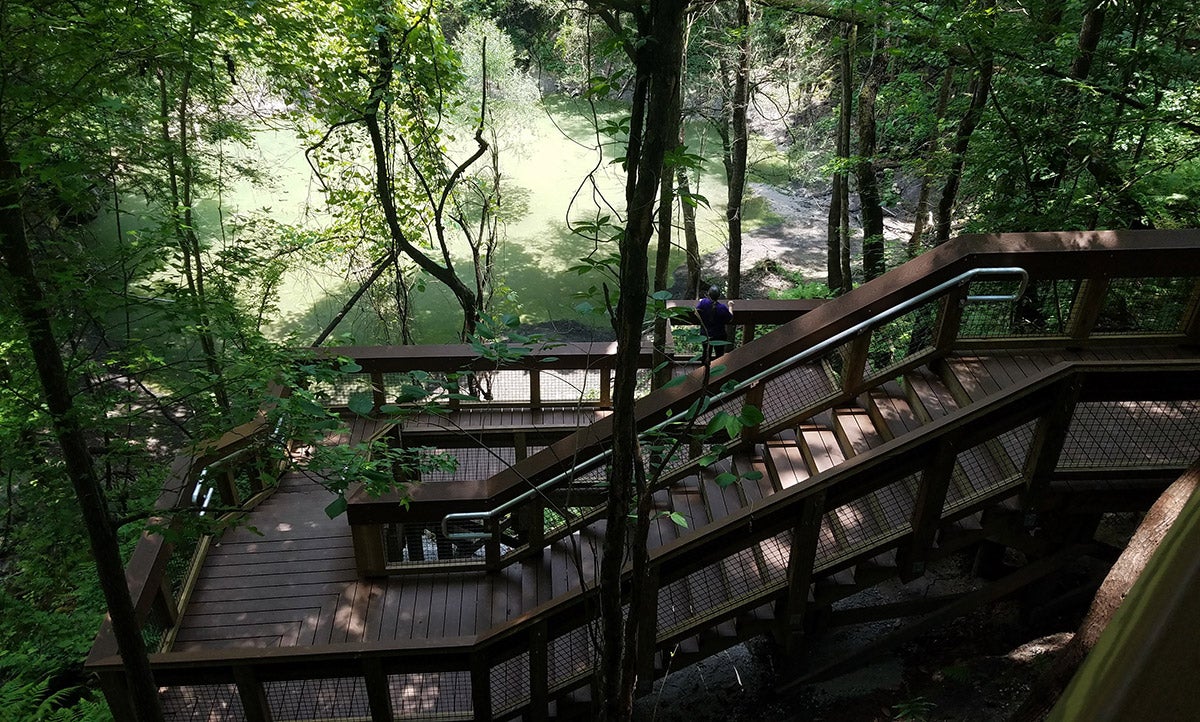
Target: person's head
x=714 y=293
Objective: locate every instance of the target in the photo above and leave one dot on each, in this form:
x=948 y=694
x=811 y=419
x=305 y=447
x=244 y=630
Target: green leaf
x=350 y=367
x=751 y=416
x=674 y=382
x=679 y=519
x=752 y=475
x=725 y=479
x=336 y=508
x=362 y=405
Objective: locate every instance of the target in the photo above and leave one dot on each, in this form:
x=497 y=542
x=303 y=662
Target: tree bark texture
x=33 y=308
x=1112 y=592
x=931 y=150
x=691 y=240
x=739 y=138
x=654 y=128
x=980 y=86
x=868 y=181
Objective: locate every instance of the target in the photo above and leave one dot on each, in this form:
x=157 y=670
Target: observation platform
x=1001 y=390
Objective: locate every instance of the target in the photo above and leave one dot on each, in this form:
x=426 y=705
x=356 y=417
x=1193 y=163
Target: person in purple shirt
x=714 y=319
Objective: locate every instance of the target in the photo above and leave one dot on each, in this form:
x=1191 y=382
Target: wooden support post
x=378 y=394
x=854 y=362
x=605 y=386
x=165 y=610
x=647 y=631
x=481 y=687
x=116 y=694
x=790 y=611
x=453 y=388
x=520 y=446
x=539 y=672
x=379 y=698
x=1190 y=322
x=491 y=548
x=754 y=397
x=950 y=318
x=227 y=487
x=532 y=518
x=1085 y=310
x=1048 y=438
x=748 y=331
x=252 y=694
x=369 y=557
x=535 y=389
x=927 y=511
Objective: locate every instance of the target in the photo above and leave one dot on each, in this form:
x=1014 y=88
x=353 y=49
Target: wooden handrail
x=1101 y=254
x=856 y=477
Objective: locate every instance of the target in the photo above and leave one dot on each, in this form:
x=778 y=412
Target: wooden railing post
x=379 y=698
x=252 y=694
x=1191 y=315
x=754 y=397
x=539 y=672
x=927 y=511
x=481 y=687
x=855 y=362
x=790 y=610
x=535 y=389
x=647 y=631
x=227 y=487
x=369 y=557
x=1048 y=438
x=165 y=610
x=950 y=318
x=605 y=386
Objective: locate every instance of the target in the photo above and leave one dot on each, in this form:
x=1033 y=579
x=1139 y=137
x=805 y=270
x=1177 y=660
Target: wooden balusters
x=252 y=694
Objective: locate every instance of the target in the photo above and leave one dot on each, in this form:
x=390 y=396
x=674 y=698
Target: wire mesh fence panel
x=1145 y=305
x=773 y=553
x=896 y=501
x=510 y=683
x=430 y=695
x=1043 y=310
x=340 y=698
x=423 y=543
x=339 y=390
x=674 y=605
x=201 y=703
x=570 y=387
x=800 y=387
x=989 y=467
x=1120 y=434
x=471 y=463
x=900 y=339
x=571 y=656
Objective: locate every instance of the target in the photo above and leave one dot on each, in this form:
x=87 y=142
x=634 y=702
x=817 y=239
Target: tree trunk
x=653 y=129
x=739 y=139
x=1112 y=592
x=868 y=182
x=931 y=148
x=35 y=317
x=849 y=40
x=981 y=85
x=691 y=241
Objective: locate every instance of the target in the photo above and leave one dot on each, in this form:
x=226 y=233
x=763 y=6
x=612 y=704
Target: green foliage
x=30 y=701
x=916 y=709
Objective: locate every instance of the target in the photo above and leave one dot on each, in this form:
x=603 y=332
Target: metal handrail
x=835 y=340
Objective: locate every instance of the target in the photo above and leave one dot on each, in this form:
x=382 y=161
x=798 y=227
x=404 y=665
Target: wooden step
x=928 y=396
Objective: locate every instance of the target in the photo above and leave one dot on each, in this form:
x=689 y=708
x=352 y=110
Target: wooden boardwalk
x=287 y=577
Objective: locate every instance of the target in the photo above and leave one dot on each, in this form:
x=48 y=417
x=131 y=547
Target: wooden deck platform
x=287 y=577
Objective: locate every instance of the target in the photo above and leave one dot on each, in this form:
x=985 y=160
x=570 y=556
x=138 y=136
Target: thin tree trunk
x=653 y=129
x=1112 y=592
x=691 y=241
x=850 y=40
x=35 y=317
x=868 y=182
x=738 y=150
x=981 y=85
x=921 y=213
